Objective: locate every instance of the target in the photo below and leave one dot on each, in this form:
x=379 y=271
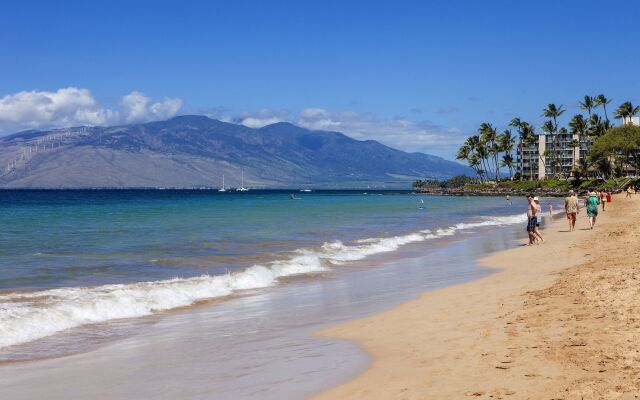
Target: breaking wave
x=29 y=316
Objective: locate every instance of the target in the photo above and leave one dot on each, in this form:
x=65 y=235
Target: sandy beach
x=557 y=321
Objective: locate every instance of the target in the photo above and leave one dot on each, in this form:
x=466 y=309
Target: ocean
x=96 y=260
x=200 y=294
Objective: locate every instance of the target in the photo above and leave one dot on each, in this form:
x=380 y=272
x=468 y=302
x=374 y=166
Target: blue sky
x=417 y=75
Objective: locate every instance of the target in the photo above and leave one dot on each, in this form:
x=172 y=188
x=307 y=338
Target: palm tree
x=517 y=123
x=625 y=111
x=578 y=126
x=474 y=162
x=506 y=143
x=478 y=150
x=596 y=127
x=483 y=153
x=603 y=101
x=552 y=111
x=549 y=129
x=622 y=112
x=507 y=161
x=603 y=166
x=588 y=104
x=530 y=138
x=583 y=166
x=464 y=154
x=575 y=155
x=489 y=136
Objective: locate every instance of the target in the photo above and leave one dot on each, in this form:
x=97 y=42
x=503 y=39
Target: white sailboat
x=222 y=189
x=242 y=188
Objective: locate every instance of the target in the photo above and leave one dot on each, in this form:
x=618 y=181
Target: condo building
x=561 y=152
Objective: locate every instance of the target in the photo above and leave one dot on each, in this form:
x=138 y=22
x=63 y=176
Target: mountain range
x=196 y=151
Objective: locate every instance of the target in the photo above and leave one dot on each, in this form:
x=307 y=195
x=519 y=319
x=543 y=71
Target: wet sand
x=559 y=321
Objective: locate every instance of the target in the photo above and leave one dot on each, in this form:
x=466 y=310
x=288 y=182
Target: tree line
x=488 y=151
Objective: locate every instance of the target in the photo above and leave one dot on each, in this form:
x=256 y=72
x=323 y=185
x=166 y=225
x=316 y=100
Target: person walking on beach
x=536 y=200
x=531 y=220
x=603 y=199
x=572 y=208
x=630 y=191
x=538 y=211
x=592 y=207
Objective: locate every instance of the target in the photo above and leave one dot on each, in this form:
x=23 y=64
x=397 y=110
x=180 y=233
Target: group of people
x=592 y=201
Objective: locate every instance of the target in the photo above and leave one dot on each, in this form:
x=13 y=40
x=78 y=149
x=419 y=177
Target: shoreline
x=193 y=290
x=499 y=192
x=492 y=337
x=248 y=347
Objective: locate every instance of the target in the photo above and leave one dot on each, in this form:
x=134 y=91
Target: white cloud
x=76 y=106
x=396 y=132
x=314 y=113
x=137 y=108
x=73 y=106
x=252 y=122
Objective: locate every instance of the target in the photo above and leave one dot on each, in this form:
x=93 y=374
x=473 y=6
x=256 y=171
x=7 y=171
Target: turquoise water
x=74 y=258
x=70 y=238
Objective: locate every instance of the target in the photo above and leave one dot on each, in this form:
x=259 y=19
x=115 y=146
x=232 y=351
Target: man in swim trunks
x=572 y=208
x=531 y=219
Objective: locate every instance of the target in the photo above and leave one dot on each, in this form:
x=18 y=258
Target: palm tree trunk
x=484 y=166
x=521 y=150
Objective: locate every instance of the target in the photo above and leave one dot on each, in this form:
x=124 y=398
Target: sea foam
x=29 y=316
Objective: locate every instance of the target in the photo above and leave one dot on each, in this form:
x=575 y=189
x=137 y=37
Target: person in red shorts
x=572 y=208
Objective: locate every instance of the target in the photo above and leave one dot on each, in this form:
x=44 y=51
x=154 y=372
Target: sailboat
x=222 y=189
x=242 y=188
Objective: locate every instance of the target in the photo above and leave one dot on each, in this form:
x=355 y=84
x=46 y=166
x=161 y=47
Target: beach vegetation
x=457 y=181
x=598 y=149
x=626 y=111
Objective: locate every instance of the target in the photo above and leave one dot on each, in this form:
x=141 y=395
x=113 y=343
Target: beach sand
x=558 y=321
